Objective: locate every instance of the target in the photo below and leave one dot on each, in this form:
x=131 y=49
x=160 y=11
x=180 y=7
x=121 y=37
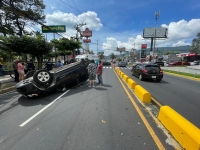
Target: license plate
x=153 y=77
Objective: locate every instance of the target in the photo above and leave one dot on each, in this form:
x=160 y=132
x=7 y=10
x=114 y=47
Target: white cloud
x=180 y=43
x=178 y=33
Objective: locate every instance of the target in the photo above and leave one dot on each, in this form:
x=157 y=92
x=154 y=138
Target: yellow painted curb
x=184 y=131
x=7 y=89
x=142 y=94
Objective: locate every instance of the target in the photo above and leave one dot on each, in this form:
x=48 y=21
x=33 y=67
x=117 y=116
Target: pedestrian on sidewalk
x=14 y=65
x=99 y=72
x=1 y=69
x=92 y=73
x=49 y=65
x=20 y=69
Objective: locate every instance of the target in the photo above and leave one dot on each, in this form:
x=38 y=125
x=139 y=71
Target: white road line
x=27 y=121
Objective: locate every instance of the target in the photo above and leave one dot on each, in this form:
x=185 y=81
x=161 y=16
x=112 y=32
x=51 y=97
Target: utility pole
x=78 y=32
x=97 y=45
x=157 y=14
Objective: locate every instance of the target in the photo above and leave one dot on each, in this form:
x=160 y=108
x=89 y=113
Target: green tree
x=112 y=56
x=17 y=14
x=196 y=44
x=36 y=46
x=101 y=56
x=65 y=46
x=5 y=53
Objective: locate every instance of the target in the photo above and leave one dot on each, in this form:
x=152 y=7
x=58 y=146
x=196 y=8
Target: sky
x=117 y=23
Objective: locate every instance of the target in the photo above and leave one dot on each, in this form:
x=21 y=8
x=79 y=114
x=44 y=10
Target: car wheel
x=29 y=74
x=42 y=77
x=140 y=77
x=158 y=80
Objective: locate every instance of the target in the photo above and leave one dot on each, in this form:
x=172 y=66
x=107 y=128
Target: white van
x=89 y=56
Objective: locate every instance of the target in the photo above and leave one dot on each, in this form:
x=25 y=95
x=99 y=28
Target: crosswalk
x=117 y=67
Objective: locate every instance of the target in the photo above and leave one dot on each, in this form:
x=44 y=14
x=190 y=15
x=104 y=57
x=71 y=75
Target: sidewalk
x=6 y=84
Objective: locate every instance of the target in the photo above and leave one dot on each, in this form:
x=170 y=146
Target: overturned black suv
x=43 y=80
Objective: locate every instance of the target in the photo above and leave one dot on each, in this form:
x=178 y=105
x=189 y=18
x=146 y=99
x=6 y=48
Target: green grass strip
x=182 y=73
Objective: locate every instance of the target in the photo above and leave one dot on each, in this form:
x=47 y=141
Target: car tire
x=29 y=74
x=140 y=77
x=42 y=77
x=158 y=80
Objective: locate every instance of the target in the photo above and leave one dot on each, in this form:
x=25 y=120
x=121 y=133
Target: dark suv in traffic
x=147 y=71
x=43 y=80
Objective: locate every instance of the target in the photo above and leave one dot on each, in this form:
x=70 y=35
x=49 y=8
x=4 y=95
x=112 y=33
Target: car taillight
x=161 y=72
x=144 y=71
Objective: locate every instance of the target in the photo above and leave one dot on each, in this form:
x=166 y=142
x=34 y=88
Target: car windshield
x=150 y=67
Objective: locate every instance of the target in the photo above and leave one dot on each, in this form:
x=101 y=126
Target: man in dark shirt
x=14 y=65
x=1 y=69
x=49 y=65
x=30 y=65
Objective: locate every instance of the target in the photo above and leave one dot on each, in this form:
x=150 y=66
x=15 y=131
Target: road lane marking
x=31 y=118
x=149 y=128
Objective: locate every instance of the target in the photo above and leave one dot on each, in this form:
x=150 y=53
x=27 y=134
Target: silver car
x=122 y=64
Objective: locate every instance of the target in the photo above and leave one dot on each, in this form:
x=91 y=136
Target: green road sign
x=53 y=29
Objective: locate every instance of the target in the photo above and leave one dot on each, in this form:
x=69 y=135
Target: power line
x=96 y=20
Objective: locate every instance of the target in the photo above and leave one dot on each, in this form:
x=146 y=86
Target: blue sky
x=118 y=23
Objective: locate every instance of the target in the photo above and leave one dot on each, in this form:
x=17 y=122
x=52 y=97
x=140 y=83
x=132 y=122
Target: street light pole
x=156 y=17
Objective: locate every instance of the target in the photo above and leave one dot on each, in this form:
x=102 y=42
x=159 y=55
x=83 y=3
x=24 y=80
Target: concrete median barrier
x=125 y=78
x=122 y=74
x=131 y=83
x=142 y=94
x=184 y=131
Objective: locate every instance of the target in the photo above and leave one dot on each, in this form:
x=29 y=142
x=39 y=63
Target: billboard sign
x=121 y=49
x=86 y=41
x=53 y=29
x=87 y=33
x=155 y=32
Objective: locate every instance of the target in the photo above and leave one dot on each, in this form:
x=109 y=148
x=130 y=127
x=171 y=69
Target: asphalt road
x=179 y=93
x=83 y=118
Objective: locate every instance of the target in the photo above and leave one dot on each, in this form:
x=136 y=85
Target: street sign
x=143 y=52
x=53 y=29
x=87 y=33
x=86 y=41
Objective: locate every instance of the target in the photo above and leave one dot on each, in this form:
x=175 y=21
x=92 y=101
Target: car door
x=137 y=69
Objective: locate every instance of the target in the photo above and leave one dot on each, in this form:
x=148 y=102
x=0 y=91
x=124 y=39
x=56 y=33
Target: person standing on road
x=92 y=73
x=14 y=65
x=99 y=72
x=30 y=65
x=60 y=63
x=49 y=65
x=20 y=69
x=1 y=69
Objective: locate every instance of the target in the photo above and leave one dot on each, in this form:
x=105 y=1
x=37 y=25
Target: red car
x=178 y=63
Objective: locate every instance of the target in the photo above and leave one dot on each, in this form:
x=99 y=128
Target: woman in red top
x=99 y=72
